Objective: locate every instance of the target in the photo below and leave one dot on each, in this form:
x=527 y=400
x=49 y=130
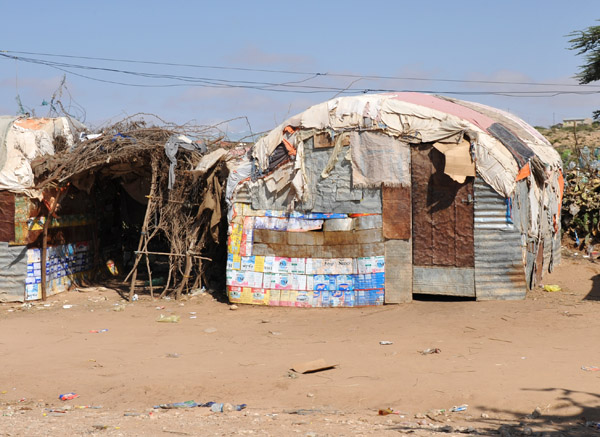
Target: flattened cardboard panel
x=322 y=141
x=396 y=213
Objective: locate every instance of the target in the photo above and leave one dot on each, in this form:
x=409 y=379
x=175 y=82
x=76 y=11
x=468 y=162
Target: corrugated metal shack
x=367 y=200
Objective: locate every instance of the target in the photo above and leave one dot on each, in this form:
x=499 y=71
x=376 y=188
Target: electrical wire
x=299 y=86
x=260 y=70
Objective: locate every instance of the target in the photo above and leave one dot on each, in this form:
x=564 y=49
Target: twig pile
x=187 y=216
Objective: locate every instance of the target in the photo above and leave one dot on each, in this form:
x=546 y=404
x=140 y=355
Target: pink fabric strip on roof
x=432 y=102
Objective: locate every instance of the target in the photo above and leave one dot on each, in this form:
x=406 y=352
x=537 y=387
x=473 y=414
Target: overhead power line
x=297 y=86
x=262 y=70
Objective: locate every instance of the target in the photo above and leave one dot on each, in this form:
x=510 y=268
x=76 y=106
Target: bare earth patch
x=501 y=359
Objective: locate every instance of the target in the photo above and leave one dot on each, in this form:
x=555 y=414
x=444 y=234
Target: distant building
x=571 y=122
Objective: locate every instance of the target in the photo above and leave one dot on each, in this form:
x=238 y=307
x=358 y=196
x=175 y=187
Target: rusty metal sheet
x=442 y=211
x=396 y=213
x=499 y=247
x=7 y=216
x=464 y=225
x=422 y=229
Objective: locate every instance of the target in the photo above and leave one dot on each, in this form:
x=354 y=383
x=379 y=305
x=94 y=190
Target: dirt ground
x=517 y=365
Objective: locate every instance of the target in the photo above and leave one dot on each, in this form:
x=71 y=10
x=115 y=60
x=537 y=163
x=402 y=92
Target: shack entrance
x=442 y=231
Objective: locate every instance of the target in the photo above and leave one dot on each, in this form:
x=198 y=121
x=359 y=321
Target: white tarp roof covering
x=21 y=141
x=415 y=118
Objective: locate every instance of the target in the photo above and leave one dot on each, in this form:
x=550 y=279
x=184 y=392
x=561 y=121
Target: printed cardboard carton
x=337 y=298
x=282 y=265
x=233 y=262
x=344 y=282
x=298 y=266
x=260 y=296
x=274 y=297
x=288 y=298
x=244 y=279
x=253 y=263
x=349 y=298
x=239 y=294
x=304 y=298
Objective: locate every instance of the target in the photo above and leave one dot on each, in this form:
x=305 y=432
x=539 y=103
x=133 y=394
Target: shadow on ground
x=594 y=293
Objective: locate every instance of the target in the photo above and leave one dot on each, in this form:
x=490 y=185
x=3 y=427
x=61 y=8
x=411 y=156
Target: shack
x=76 y=207
x=370 y=199
x=22 y=221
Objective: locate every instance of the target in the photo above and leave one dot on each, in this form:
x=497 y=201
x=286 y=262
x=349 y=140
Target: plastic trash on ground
x=552 y=288
x=168 y=319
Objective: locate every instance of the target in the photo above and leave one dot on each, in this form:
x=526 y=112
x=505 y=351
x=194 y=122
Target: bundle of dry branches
x=184 y=215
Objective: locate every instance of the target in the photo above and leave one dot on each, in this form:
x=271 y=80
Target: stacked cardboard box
x=299 y=282
x=65 y=264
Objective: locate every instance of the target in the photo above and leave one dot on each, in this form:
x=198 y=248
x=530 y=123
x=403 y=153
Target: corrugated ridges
x=13 y=272
x=499 y=272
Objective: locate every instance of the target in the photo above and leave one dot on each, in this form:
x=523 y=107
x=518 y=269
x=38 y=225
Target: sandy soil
x=502 y=359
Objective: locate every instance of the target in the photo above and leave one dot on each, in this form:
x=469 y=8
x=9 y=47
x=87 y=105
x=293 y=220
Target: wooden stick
x=133 y=272
x=164 y=292
x=186 y=276
x=149 y=269
x=44 y=254
x=173 y=201
x=172 y=254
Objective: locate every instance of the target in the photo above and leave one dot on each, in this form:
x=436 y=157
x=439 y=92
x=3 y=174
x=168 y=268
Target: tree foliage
x=587 y=42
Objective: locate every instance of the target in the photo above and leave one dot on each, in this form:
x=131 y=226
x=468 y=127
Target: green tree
x=587 y=42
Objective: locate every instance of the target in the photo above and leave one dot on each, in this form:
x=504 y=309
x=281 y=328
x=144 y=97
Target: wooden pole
x=174 y=254
x=138 y=256
x=44 y=254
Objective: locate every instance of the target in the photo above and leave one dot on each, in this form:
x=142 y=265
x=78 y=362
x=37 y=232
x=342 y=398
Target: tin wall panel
x=13 y=272
x=556 y=253
x=398 y=271
x=499 y=270
x=422 y=228
x=448 y=281
x=442 y=211
x=7 y=216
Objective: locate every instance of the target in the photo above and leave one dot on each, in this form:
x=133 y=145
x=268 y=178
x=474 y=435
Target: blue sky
x=508 y=41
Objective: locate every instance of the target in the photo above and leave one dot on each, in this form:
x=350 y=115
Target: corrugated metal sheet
x=13 y=272
x=398 y=271
x=449 y=281
x=556 y=253
x=499 y=271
